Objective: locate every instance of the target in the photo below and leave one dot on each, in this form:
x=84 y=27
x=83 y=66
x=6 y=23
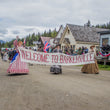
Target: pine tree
x=88 y=24
x=49 y=34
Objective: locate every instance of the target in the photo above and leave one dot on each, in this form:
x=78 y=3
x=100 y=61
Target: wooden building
x=75 y=36
x=105 y=39
x=56 y=40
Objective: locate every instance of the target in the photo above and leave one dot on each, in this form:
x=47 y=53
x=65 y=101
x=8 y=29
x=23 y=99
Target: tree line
x=31 y=37
x=105 y=26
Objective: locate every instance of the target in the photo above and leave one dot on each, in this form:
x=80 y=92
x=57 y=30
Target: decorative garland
x=104 y=55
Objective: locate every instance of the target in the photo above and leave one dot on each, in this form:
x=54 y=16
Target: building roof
x=45 y=39
x=85 y=34
x=59 y=35
x=105 y=32
x=61 y=27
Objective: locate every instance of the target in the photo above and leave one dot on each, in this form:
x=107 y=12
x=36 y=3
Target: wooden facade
x=79 y=36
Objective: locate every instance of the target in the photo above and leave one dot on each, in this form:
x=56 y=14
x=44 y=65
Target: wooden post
x=105 y=60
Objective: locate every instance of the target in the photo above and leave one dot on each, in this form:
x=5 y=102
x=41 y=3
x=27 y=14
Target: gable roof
x=60 y=32
x=45 y=39
x=61 y=27
x=85 y=34
x=59 y=35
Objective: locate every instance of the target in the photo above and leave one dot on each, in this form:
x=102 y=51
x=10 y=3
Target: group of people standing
x=79 y=51
x=7 y=54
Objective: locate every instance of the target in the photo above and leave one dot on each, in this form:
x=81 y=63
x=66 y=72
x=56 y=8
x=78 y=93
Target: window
x=104 y=41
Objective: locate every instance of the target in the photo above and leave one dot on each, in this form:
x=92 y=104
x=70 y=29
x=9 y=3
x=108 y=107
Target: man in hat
x=56 y=69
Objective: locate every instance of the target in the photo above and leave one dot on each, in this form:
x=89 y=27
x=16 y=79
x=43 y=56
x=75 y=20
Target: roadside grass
x=104 y=67
x=101 y=67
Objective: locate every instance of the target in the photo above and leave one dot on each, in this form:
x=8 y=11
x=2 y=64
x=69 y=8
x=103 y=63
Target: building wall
x=68 y=35
x=74 y=43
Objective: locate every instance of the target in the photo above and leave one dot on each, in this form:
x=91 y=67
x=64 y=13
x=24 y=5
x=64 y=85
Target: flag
x=14 y=58
x=46 y=46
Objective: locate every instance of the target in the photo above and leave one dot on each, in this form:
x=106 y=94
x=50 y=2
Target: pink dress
x=17 y=66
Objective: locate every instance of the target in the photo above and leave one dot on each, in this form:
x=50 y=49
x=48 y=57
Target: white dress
x=5 y=57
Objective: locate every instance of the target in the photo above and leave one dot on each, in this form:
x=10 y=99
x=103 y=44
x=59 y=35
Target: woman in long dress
x=16 y=65
x=91 y=68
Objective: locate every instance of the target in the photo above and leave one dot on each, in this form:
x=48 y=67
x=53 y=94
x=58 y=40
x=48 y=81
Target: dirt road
x=41 y=90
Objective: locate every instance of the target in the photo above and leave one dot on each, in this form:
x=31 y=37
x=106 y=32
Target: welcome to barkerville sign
x=30 y=56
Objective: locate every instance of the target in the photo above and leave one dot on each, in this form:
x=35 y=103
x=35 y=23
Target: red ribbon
x=104 y=55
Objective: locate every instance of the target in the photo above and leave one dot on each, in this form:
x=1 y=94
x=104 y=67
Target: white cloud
x=21 y=31
x=38 y=15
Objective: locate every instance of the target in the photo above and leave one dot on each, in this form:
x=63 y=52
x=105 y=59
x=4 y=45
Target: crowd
x=68 y=50
x=9 y=54
x=79 y=51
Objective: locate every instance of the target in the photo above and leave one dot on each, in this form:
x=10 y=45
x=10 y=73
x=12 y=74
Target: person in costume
x=5 y=56
x=16 y=65
x=10 y=55
x=56 y=69
x=91 y=68
x=2 y=54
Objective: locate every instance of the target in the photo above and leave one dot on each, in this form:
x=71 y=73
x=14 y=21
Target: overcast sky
x=21 y=17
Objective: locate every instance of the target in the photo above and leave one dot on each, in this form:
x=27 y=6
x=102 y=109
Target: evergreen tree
x=105 y=26
x=49 y=34
x=31 y=37
x=45 y=33
x=88 y=24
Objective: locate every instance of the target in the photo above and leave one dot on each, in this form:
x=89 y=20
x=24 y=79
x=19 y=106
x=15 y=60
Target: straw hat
x=93 y=46
x=20 y=42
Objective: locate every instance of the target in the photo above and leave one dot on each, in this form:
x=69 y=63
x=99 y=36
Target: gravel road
x=40 y=90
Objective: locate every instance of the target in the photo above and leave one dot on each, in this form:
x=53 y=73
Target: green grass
x=104 y=67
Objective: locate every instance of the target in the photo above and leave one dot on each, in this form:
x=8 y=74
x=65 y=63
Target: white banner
x=30 y=56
